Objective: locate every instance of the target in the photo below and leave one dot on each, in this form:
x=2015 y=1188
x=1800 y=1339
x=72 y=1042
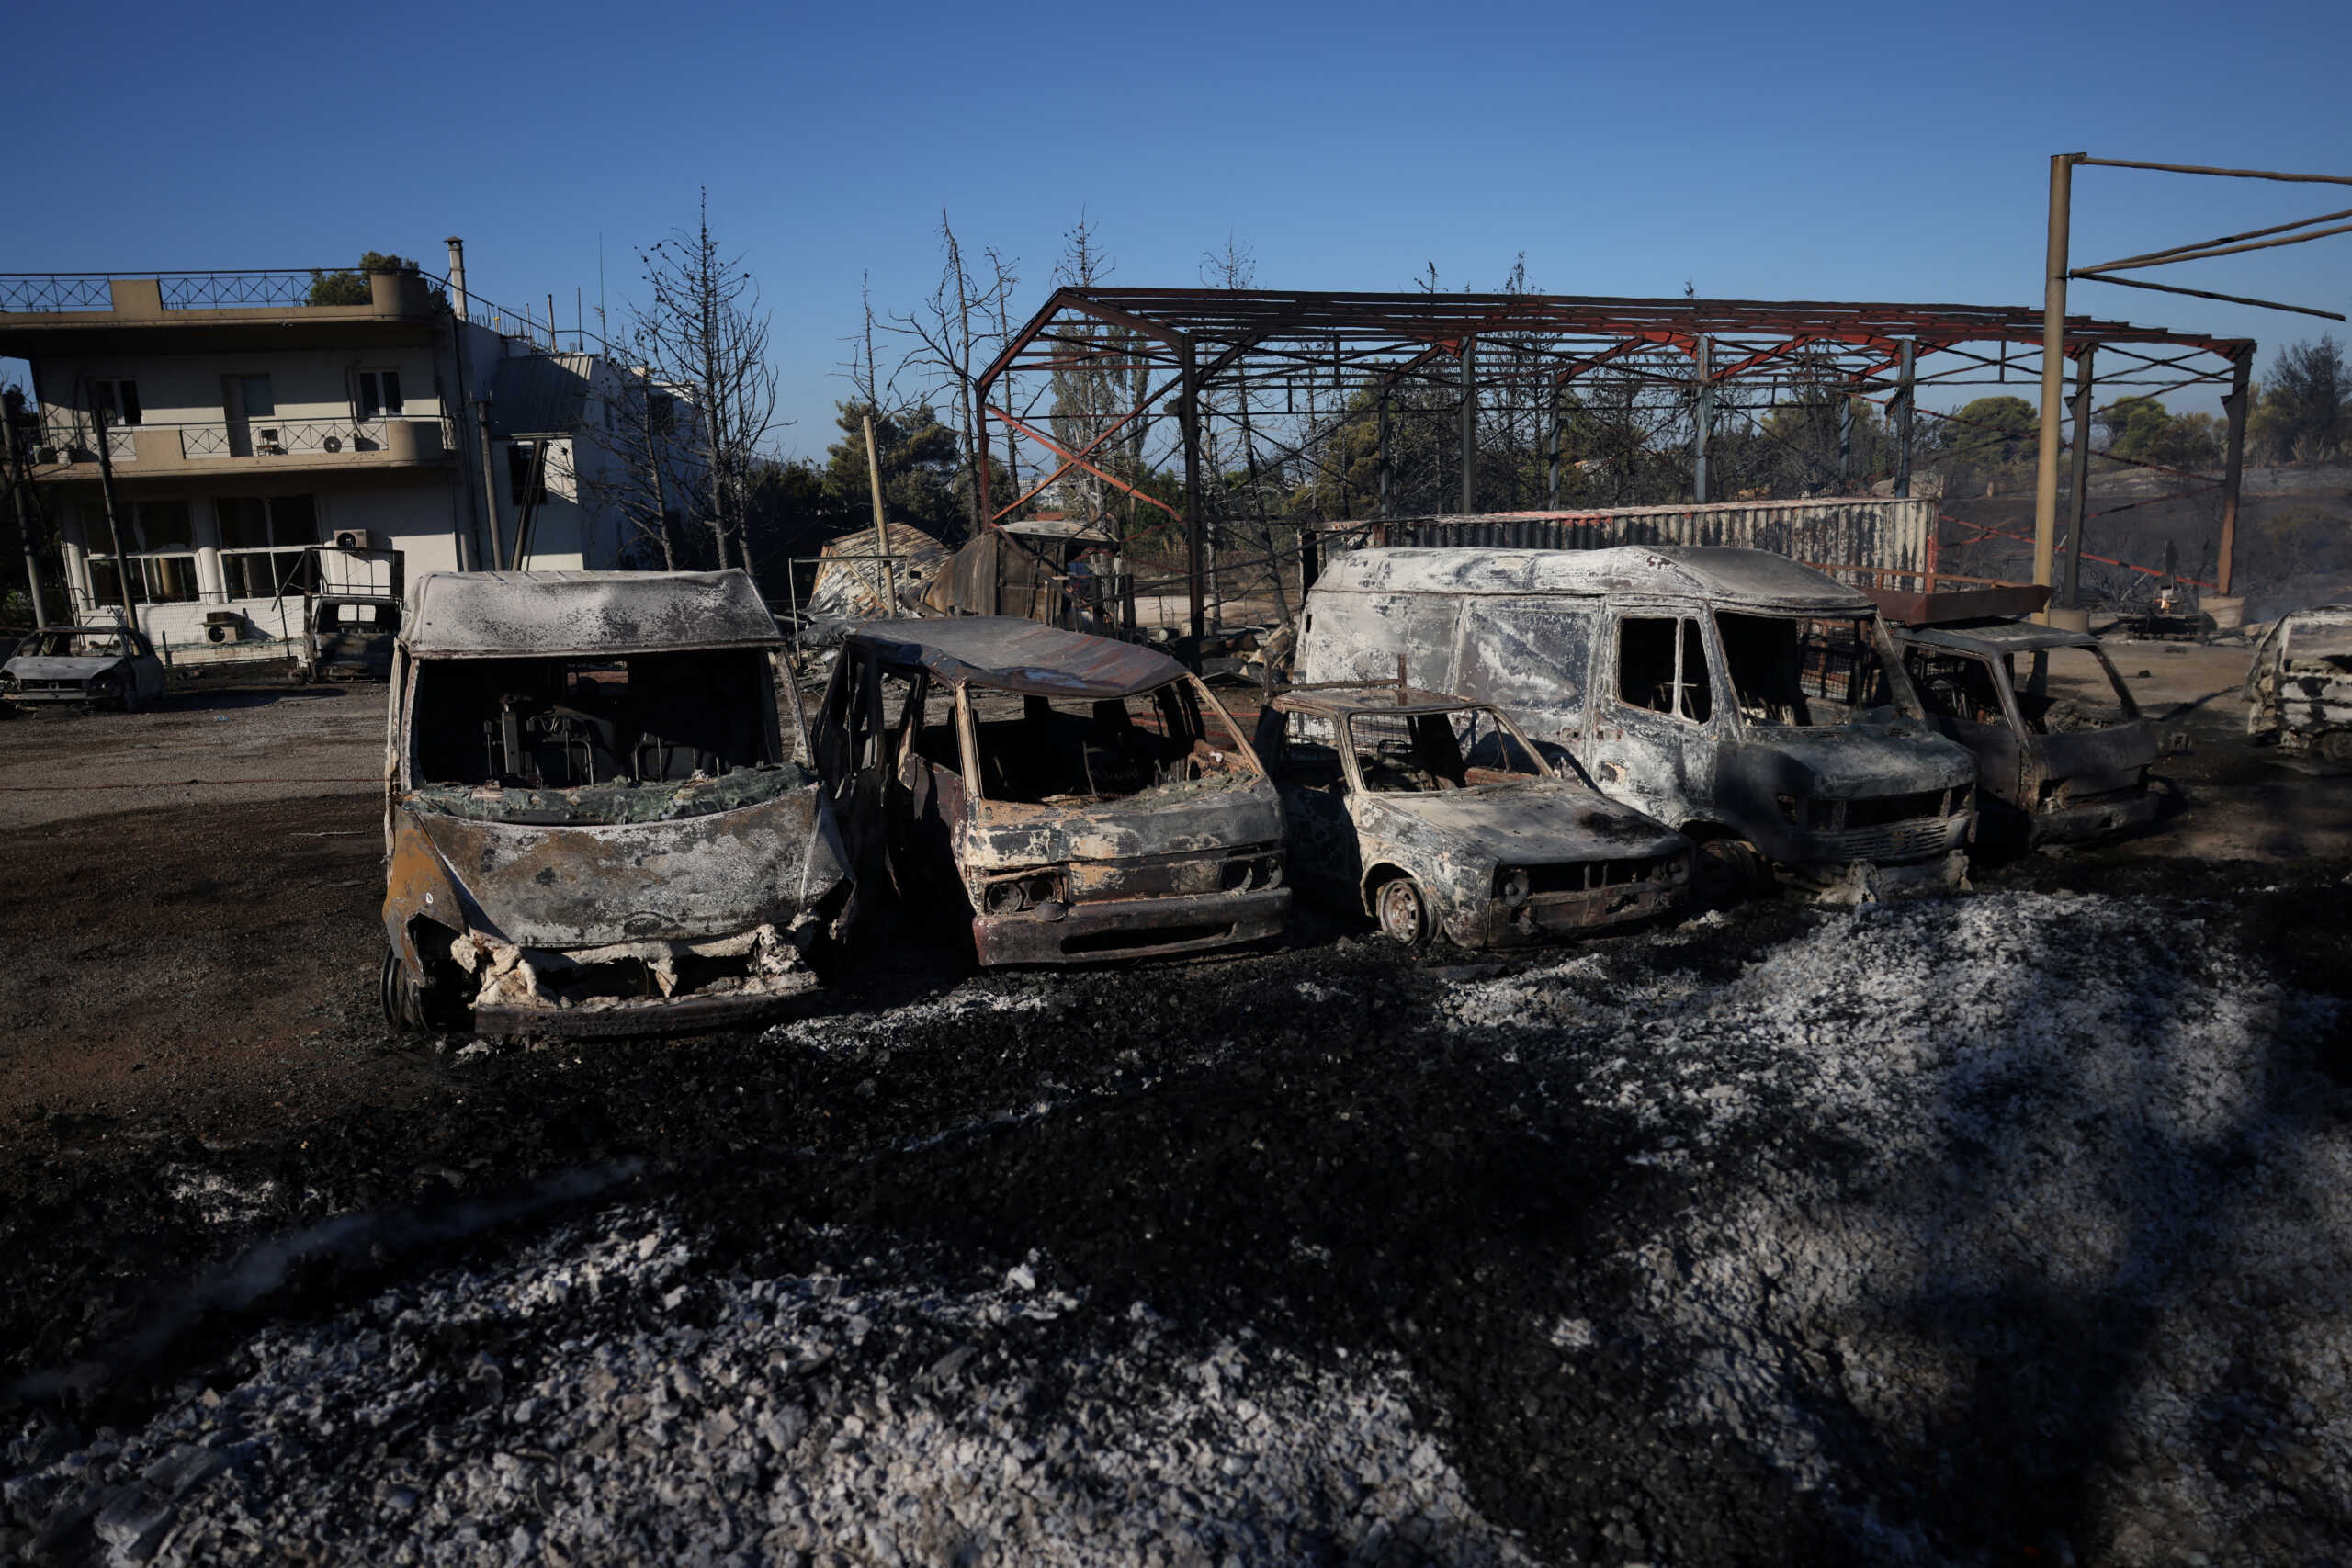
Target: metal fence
x=43 y=293
x=70 y=440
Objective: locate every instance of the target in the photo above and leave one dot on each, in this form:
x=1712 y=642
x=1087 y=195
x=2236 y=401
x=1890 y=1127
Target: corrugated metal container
x=1863 y=541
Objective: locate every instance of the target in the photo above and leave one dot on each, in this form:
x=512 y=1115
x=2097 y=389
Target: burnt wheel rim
x=1401 y=917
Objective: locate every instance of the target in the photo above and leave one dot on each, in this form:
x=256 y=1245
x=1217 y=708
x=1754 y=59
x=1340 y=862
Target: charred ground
x=1306 y=1149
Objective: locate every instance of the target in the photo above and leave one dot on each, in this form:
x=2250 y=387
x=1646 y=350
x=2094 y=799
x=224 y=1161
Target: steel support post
x=1188 y=415
x=1385 y=512
x=2079 y=494
x=1469 y=425
x=2232 y=470
x=20 y=487
x=114 y=525
x=489 y=488
x=2054 y=368
x=1906 y=389
x=1552 y=489
x=1702 y=421
x=1846 y=445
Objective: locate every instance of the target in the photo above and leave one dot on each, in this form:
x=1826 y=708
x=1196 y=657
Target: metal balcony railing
x=70 y=440
x=55 y=292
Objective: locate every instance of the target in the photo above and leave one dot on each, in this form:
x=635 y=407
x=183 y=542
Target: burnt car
x=2299 y=688
x=1065 y=797
x=1436 y=816
x=2062 y=752
x=591 y=824
x=350 y=638
x=1752 y=703
x=98 y=666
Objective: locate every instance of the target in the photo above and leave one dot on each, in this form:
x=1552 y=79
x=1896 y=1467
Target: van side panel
x=1358 y=637
x=1532 y=657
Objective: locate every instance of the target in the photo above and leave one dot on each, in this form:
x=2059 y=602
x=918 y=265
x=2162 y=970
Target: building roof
x=484 y=615
x=1741 y=577
x=1997 y=636
x=1016 y=655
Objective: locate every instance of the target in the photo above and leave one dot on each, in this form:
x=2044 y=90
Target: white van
x=1756 y=705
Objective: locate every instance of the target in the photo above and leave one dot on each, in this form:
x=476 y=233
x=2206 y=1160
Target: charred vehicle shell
x=2062 y=753
x=350 y=638
x=590 y=822
x=98 y=666
x=1072 y=797
x=1754 y=704
x=1436 y=816
x=2299 y=688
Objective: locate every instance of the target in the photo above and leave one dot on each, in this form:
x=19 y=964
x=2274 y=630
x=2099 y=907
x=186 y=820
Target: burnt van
x=1753 y=704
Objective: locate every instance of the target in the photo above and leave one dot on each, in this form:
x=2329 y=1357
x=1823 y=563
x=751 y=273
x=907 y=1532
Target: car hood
x=1861 y=760
x=32 y=667
x=1173 y=820
x=1536 y=823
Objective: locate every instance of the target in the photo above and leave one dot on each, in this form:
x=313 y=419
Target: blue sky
x=1788 y=152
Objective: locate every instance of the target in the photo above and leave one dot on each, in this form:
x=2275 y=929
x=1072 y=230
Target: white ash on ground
x=2056 y=1156
x=600 y=1400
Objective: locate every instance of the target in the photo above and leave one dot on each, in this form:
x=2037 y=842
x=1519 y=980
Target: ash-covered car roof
x=1016 y=655
x=1996 y=636
x=484 y=615
x=1334 y=701
x=1740 y=576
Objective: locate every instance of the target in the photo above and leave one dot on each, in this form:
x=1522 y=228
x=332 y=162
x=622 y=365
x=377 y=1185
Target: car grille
x=51 y=685
x=1583 y=876
x=1896 y=840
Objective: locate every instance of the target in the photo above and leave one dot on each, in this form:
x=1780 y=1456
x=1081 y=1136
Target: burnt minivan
x=590 y=822
x=1067 y=796
x=1752 y=703
x=2062 y=753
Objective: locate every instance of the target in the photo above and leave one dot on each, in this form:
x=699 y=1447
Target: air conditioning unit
x=266 y=443
x=333 y=444
x=223 y=625
x=357 y=539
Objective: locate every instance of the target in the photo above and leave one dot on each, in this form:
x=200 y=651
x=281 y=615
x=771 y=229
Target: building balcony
x=43 y=313
x=62 y=451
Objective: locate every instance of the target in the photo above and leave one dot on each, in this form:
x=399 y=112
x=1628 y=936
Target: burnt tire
x=2335 y=748
x=426 y=1009
x=1728 y=870
x=1403 y=912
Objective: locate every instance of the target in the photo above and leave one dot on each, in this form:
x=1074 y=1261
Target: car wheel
x=1404 y=913
x=397 y=995
x=1728 y=870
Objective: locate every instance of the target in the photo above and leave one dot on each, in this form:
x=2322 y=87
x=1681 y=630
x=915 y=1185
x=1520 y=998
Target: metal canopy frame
x=1248 y=357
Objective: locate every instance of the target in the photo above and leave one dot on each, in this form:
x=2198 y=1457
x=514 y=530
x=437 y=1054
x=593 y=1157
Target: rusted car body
x=1036 y=568
x=1752 y=703
x=350 y=636
x=1072 y=797
x=2299 y=688
x=2062 y=753
x=99 y=666
x=591 y=824
x=1436 y=816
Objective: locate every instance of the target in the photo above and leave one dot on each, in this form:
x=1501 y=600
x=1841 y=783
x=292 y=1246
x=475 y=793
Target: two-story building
x=251 y=435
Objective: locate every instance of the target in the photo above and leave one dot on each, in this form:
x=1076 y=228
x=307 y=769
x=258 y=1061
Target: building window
x=161 y=543
x=115 y=398
x=525 y=480
x=380 y=393
x=263 y=542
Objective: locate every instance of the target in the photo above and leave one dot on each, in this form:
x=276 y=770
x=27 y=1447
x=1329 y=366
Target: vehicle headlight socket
x=1513 y=885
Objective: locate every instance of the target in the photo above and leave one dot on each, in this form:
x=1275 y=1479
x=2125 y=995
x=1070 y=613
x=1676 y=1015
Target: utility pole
x=2054 y=366
x=114 y=527
x=1845 y=443
x=1384 y=509
x=17 y=488
x=490 y=486
x=881 y=530
x=1552 y=490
